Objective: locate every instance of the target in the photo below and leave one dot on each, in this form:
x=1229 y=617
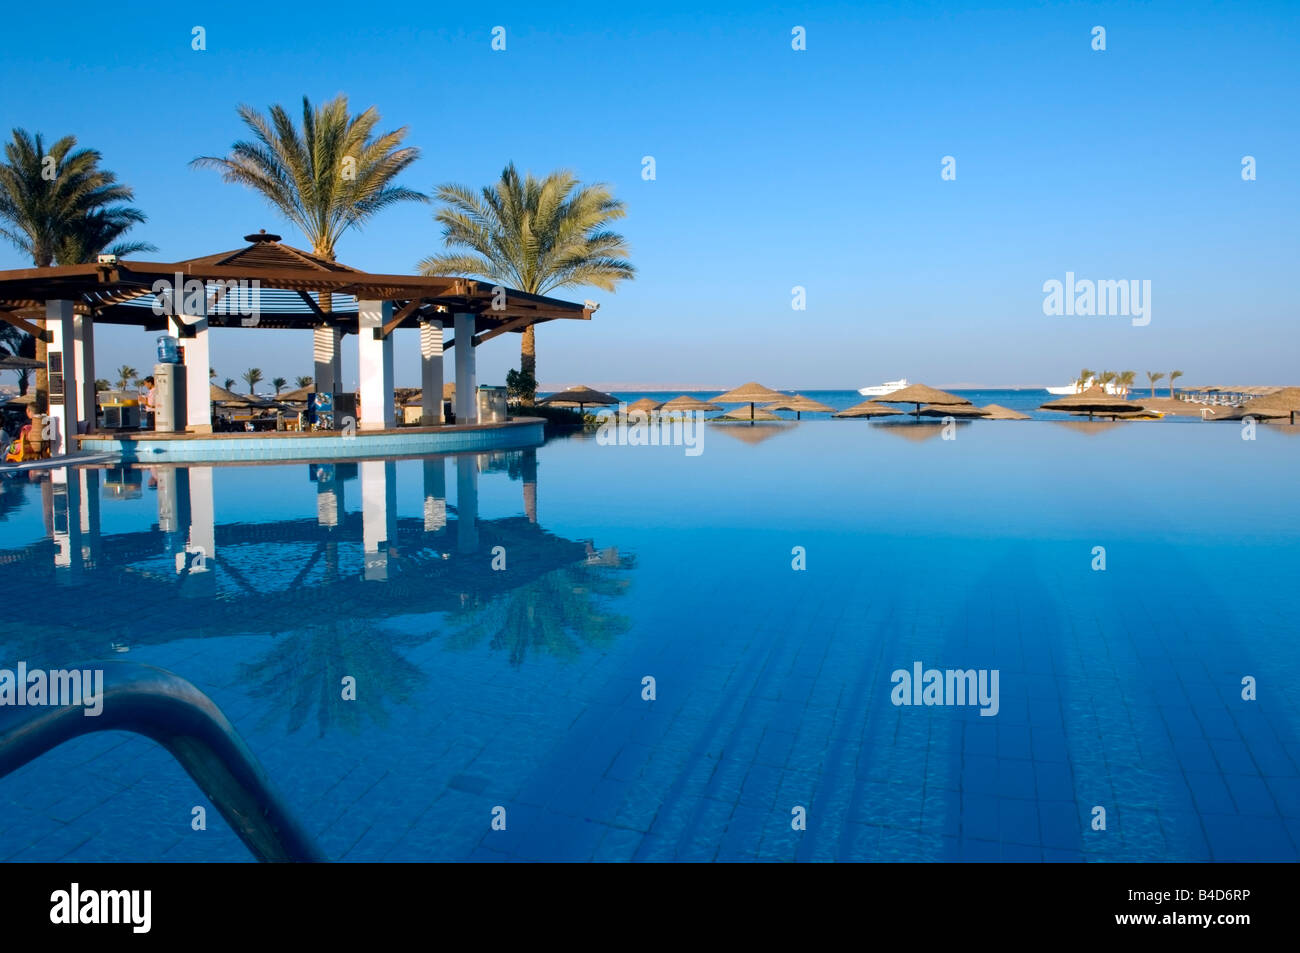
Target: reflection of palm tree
x=305 y=670
x=558 y=613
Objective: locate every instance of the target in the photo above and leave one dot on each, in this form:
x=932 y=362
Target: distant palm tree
x=252 y=377
x=126 y=374
x=1105 y=378
x=278 y=383
x=19 y=343
x=1085 y=375
x=212 y=372
x=58 y=205
x=1154 y=377
x=229 y=383
x=331 y=174
x=1125 y=380
x=303 y=381
x=1173 y=376
x=534 y=235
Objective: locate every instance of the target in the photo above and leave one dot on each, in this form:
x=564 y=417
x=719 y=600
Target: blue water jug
x=167 y=353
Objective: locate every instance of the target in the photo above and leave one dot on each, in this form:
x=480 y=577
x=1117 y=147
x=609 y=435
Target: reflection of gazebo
x=268 y=285
x=800 y=405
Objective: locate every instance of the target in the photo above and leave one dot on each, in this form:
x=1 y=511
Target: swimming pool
x=522 y=685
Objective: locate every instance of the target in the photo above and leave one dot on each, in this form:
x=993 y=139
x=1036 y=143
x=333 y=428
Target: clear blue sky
x=775 y=168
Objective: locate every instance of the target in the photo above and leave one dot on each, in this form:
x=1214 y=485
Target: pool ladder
x=165 y=707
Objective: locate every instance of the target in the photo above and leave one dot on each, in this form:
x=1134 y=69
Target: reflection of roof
x=281 y=571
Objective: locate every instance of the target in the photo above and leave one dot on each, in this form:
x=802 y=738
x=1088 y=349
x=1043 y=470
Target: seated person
x=14 y=450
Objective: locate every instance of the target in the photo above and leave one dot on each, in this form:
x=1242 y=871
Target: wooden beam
x=502 y=329
x=39 y=333
x=411 y=307
x=307 y=300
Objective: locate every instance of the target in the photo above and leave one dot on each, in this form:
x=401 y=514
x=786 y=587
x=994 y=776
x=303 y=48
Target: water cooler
x=169 y=398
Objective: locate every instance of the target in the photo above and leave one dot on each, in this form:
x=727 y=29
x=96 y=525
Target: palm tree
x=1085 y=375
x=278 y=383
x=331 y=174
x=1154 y=377
x=252 y=377
x=15 y=341
x=1125 y=380
x=303 y=381
x=228 y=383
x=126 y=374
x=1105 y=378
x=58 y=205
x=1173 y=376
x=533 y=235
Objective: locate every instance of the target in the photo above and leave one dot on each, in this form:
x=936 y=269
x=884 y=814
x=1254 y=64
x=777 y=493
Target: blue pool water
x=522 y=687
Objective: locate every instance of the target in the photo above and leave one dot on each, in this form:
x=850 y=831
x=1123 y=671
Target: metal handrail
x=171 y=711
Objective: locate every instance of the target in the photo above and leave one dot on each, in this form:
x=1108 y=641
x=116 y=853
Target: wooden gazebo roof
x=291 y=284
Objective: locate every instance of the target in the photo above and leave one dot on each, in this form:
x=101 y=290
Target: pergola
x=268 y=284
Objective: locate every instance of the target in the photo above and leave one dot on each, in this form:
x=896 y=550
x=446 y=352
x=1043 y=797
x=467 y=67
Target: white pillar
x=378 y=515
x=466 y=383
x=191 y=331
x=375 y=366
x=326 y=360
x=431 y=373
x=83 y=355
x=203 y=518
x=61 y=360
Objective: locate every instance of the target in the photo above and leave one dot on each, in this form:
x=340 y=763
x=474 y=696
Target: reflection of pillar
x=435 y=494
x=430 y=373
x=83 y=356
x=466 y=501
x=466 y=375
x=327 y=359
x=88 y=480
x=329 y=498
x=202 y=548
x=529 y=473
x=375 y=366
x=173 y=507
x=61 y=365
x=65 y=526
x=378 y=514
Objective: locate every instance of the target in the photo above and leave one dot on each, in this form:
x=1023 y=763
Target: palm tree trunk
x=528 y=360
x=41 y=399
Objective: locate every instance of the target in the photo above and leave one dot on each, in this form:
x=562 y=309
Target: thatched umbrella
x=1092 y=401
x=12 y=362
x=998 y=412
x=219 y=395
x=578 y=396
x=751 y=393
x=1282 y=403
x=753 y=415
x=686 y=404
x=920 y=394
x=951 y=410
x=800 y=405
x=869 y=408
x=296 y=396
x=644 y=406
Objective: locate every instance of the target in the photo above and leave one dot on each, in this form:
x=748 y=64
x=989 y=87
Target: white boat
x=1111 y=388
x=879 y=390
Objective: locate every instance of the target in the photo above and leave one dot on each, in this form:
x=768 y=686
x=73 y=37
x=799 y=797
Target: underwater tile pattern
x=522 y=688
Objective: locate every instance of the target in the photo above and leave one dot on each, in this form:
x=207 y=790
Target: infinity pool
x=506 y=615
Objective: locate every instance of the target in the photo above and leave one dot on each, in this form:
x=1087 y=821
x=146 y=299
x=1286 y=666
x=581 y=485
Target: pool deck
x=152 y=447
